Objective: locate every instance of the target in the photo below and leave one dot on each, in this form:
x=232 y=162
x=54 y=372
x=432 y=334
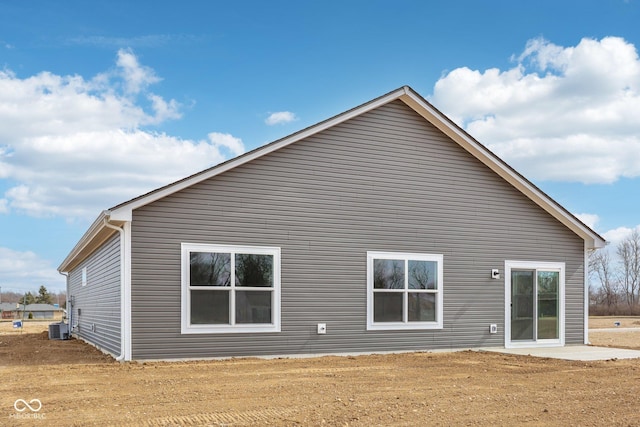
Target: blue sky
x=102 y=101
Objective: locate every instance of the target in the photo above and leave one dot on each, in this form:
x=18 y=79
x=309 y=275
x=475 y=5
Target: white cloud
x=561 y=113
x=135 y=76
x=72 y=146
x=231 y=143
x=280 y=117
x=616 y=235
x=164 y=110
x=25 y=271
x=589 y=219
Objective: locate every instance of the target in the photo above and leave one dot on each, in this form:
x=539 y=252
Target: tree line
x=43 y=296
x=618 y=292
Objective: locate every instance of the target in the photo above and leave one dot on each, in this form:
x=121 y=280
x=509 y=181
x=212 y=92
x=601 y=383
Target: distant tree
x=44 y=297
x=11 y=296
x=28 y=298
x=61 y=298
x=600 y=267
x=628 y=251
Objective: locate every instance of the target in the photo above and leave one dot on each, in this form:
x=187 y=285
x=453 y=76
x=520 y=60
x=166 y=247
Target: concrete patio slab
x=571 y=352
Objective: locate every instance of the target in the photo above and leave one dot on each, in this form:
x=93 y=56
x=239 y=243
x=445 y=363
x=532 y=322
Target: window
x=230 y=289
x=404 y=291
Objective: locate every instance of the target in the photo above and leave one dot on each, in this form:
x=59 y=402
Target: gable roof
x=10 y=306
x=102 y=228
x=41 y=307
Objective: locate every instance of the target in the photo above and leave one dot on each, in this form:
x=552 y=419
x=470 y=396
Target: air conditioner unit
x=58 y=331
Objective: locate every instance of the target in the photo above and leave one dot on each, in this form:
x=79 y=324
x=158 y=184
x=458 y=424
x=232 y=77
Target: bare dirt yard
x=77 y=385
x=626 y=335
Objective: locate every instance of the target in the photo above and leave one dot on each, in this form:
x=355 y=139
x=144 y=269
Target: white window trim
x=534 y=265
x=389 y=326
x=188 y=328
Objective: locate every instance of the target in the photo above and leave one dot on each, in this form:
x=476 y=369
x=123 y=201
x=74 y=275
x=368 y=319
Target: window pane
x=387 y=306
x=254 y=270
x=548 y=304
x=209 y=307
x=422 y=275
x=253 y=306
x=388 y=274
x=210 y=269
x=522 y=304
x=422 y=307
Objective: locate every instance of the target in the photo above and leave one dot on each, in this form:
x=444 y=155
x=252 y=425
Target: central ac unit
x=58 y=331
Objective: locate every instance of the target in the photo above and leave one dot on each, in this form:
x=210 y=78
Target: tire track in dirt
x=244 y=418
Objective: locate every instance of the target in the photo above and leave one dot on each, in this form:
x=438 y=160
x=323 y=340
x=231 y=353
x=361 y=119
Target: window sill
x=404 y=326
x=228 y=329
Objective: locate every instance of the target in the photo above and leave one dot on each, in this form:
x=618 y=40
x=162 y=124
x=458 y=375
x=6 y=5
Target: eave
x=93 y=238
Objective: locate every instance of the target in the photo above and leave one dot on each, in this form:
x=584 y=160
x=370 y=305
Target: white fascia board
x=124 y=211
x=124 y=215
x=483 y=154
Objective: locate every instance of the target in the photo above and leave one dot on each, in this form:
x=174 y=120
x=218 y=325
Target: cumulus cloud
x=135 y=76
x=590 y=220
x=228 y=141
x=25 y=271
x=280 y=117
x=615 y=236
x=71 y=146
x=560 y=113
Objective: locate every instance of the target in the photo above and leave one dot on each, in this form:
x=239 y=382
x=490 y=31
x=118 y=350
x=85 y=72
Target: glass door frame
x=534 y=266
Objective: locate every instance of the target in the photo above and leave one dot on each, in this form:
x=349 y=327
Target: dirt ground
x=77 y=385
x=627 y=335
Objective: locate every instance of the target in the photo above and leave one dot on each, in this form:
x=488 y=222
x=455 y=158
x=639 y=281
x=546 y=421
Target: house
x=32 y=311
x=40 y=311
x=385 y=228
x=10 y=310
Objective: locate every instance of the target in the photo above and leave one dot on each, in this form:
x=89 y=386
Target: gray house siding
x=386 y=180
x=39 y=314
x=96 y=306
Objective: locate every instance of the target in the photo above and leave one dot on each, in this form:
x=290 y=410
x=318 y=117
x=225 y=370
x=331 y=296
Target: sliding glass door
x=535 y=303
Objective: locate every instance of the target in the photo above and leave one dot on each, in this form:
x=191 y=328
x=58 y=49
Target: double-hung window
x=230 y=289
x=404 y=291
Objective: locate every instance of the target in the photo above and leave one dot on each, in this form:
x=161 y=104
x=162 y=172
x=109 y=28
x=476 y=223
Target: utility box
x=58 y=331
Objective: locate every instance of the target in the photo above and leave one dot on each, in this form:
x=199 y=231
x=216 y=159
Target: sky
x=102 y=101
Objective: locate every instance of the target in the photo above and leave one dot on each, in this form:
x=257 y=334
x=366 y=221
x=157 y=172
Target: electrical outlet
x=322 y=328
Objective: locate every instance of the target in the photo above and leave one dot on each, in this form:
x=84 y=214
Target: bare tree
x=600 y=267
x=628 y=251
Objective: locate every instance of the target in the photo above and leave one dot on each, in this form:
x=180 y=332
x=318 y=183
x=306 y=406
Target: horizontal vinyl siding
x=384 y=181
x=98 y=301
